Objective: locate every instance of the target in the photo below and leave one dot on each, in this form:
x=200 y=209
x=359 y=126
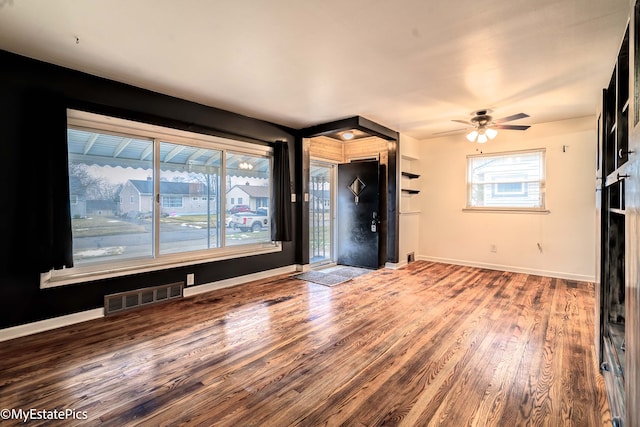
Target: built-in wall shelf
x=410 y=191
x=410 y=175
x=410 y=184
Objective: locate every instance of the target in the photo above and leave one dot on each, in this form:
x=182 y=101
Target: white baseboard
x=303 y=268
x=395 y=265
x=83 y=316
x=227 y=283
x=510 y=268
x=48 y=324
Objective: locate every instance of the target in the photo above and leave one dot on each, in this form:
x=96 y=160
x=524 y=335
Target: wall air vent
x=124 y=301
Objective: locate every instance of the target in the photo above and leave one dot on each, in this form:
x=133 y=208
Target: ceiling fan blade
x=512 y=117
x=511 y=127
x=463 y=121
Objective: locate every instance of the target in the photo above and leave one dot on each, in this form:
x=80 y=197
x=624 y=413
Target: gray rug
x=333 y=276
x=349 y=272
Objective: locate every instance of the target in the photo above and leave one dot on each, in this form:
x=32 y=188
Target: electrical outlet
x=191 y=278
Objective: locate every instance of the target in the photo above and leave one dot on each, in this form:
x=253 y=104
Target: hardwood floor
x=428 y=344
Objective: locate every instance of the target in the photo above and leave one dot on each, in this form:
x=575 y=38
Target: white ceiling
x=410 y=65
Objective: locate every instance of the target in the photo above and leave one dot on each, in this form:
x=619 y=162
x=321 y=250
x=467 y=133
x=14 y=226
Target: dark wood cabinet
x=611 y=175
x=618 y=230
x=631 y=169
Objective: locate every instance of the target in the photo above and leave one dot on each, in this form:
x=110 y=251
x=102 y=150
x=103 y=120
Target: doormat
x=349 y=272
x=333 y=276
x=326 y=279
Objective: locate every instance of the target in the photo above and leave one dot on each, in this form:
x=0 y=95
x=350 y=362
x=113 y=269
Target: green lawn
x=191 y=219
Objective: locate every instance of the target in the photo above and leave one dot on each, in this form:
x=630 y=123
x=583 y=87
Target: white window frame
x=517 y=179
x=517 y=175
x=100 y=123
x=171 y=201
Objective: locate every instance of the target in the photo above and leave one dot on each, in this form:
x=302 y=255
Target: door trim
x=332 y=213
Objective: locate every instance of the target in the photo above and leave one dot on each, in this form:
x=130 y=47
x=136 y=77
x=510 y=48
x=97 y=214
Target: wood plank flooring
x=426 y=345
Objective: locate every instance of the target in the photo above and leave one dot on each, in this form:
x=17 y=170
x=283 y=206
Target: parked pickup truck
x=254 y=221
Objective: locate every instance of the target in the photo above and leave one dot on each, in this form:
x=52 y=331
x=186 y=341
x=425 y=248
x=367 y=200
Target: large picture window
x=144 y=195
x=509 y=181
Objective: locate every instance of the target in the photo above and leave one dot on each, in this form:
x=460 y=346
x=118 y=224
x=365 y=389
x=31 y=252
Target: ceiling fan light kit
x=482 y=135
x=491 y=133
x=472 y=136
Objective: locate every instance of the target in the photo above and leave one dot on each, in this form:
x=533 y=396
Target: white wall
x=566 y=234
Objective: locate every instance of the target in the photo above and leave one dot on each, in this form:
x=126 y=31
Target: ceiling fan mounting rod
x=481 y=120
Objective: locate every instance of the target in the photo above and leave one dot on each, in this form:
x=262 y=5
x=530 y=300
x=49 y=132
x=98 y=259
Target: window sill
x=64 y=277
x=508 y=210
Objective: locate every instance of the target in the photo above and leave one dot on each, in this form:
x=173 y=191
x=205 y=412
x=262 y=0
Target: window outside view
x=507 y=180
x=320 y=213
x=113 y=207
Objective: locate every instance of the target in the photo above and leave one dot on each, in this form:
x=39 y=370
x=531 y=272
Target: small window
x=171 y=201
x=514 y=180
x=513 y=188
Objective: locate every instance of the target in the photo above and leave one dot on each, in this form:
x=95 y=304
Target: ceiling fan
x=484 y=125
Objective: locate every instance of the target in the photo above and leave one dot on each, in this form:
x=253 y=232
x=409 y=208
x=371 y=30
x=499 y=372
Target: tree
x=97 y=188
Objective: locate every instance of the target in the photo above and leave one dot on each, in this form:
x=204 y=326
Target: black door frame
x=390 y=227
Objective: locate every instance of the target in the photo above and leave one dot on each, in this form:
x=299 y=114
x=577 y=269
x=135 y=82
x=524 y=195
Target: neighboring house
x=77 y=198
x=176 y=198
x=500 y=184
x=256 y=196
x=102 y=207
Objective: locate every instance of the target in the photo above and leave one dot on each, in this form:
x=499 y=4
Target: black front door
x=358 y=214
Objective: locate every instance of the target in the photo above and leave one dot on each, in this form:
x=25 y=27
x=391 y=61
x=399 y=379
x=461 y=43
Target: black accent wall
x=21 y=299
